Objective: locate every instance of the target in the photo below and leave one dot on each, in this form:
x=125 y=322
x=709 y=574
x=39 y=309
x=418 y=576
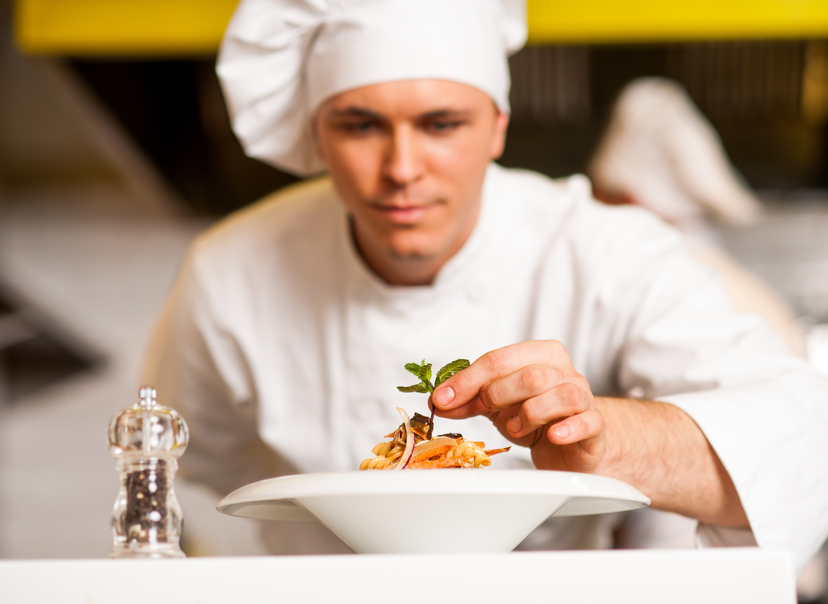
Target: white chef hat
x=280 y=59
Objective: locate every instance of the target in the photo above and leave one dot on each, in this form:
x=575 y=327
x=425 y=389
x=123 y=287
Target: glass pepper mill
x=147 y=440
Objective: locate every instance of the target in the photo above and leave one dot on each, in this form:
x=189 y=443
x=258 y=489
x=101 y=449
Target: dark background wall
x=765 y=98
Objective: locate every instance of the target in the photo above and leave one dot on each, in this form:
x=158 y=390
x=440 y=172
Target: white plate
x=432 y=510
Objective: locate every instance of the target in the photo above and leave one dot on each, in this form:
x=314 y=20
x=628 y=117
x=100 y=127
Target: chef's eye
x=360 y=127
x=442 y=126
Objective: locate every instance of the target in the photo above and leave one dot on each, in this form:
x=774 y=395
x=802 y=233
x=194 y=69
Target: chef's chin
x=410 y=253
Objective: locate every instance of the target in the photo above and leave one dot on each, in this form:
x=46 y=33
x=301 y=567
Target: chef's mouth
x=404 y=213
x=401 y=207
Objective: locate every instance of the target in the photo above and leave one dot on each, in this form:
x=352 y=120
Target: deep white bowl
x=430 y=511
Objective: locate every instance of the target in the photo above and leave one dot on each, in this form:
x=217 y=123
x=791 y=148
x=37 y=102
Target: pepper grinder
x=147 y=440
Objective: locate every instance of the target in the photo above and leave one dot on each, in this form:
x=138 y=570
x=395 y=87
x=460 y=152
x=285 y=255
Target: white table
x=641 y=576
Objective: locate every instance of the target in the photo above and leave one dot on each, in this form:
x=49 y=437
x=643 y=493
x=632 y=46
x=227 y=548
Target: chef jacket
x=283 y=351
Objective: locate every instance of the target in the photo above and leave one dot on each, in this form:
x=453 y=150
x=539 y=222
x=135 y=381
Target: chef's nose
x=403 y=161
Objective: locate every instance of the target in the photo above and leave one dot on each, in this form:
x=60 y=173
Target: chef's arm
x=534 y=396
x=657 y=448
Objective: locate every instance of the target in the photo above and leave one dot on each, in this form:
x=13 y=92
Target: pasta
x=413 y=448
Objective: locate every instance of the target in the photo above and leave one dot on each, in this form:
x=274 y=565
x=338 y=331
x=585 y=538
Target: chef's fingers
x=577 y=428
x=524 y=384
x=465 y=385
x=471 y=409
x=562 y=401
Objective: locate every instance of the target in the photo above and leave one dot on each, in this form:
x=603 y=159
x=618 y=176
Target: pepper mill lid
x=148 y=429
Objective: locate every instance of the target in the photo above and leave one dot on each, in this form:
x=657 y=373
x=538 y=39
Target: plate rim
x=291 y=488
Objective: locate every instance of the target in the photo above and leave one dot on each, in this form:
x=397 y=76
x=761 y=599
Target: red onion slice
x=409 y=442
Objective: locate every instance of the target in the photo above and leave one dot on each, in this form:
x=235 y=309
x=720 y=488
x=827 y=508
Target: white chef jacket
x=283 y=351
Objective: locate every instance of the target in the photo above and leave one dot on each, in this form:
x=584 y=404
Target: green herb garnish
x=423 y=373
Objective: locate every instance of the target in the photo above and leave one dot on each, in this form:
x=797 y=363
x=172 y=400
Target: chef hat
x=280 y=59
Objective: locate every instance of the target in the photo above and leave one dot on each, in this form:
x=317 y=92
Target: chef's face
x=408 y=160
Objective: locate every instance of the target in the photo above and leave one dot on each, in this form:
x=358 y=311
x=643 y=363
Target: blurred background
x=116 y=149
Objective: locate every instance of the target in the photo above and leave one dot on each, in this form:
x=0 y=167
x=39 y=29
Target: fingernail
x=563 y=431
x=443 y=396
x=514 y=425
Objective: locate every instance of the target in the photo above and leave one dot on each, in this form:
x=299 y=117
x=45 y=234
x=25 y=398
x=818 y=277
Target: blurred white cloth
x=283 y=351
x=817 y=345
x=281 y=59
x=751 y=294
x=661 y=151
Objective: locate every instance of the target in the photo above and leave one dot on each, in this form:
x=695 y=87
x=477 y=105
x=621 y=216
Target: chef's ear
x=499 y=134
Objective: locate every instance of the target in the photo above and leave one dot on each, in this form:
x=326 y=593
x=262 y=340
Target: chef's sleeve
x=199 y=370
x=763 y=410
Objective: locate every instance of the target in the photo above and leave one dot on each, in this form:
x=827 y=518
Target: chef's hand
x=534 y=396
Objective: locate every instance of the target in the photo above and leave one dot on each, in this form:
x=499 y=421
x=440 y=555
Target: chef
x=599 y=345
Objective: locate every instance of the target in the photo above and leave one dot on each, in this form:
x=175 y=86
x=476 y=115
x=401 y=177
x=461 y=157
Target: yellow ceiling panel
x=121 y=27
x=603 y=21
x=188 y=27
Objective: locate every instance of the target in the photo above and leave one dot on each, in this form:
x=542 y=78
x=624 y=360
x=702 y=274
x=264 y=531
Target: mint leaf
x=449 y=370
x=425 y=373
x=413 y=368
x=421 y=387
